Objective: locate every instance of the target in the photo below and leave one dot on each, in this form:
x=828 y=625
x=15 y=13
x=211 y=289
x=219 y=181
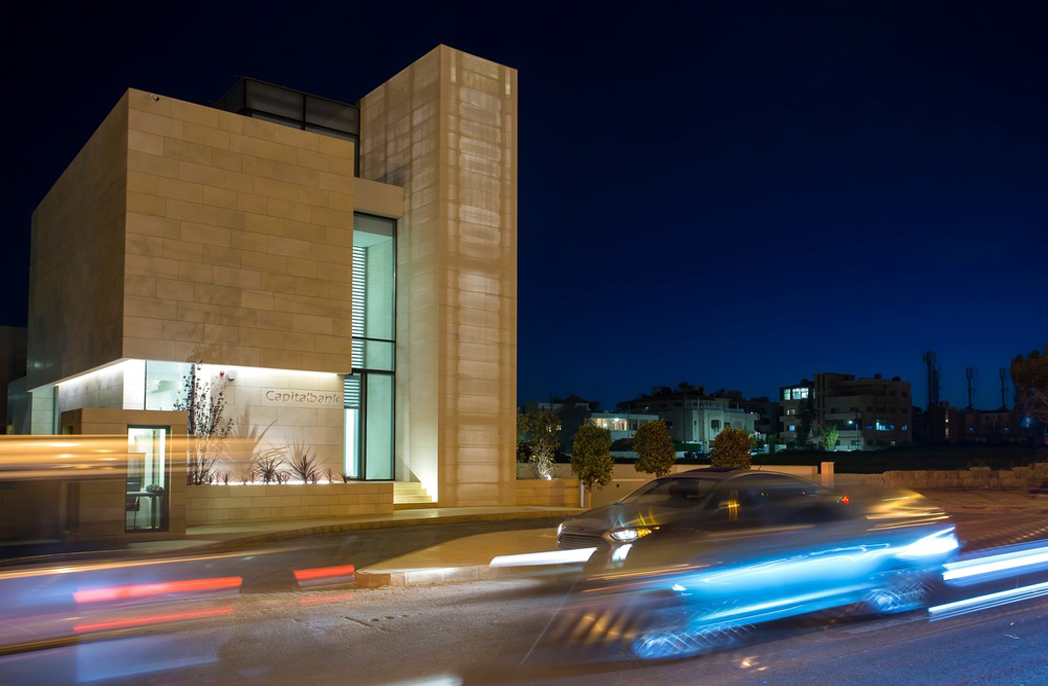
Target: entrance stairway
x=409 y=495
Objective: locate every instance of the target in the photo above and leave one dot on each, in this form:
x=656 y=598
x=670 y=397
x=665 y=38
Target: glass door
x=369 y=426
x=145 y=498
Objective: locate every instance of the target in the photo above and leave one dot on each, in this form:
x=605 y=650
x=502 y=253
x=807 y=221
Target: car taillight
x=844 y=500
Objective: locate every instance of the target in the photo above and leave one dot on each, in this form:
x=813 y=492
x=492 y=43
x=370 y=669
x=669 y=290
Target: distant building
x=692 y=415
x=621 y=424
x=994 y=427
x=868 y=413
x=12 y=364
x=768 y=411
x=573 y=412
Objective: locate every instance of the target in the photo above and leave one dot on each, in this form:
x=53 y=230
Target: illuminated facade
x=346 y=273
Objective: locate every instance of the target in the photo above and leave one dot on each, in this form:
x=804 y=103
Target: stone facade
x=445 y=129
x=548 y=492
x=239 y=233
x=99 y=502
x=263 y=502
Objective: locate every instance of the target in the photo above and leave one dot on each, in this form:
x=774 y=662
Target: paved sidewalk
x=462 y=559
x=223 y=537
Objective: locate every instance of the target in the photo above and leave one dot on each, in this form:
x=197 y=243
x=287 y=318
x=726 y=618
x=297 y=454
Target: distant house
x=692 y=415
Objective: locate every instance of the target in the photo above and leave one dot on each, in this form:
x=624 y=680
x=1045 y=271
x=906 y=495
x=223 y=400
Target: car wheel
x=662 y=644
x=900 y=590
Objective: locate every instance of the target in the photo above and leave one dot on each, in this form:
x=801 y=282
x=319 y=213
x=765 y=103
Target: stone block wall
x=268 y=502
x=76 y=262
x=445 y=128
x=30 y=510
x=983 y=478
x=548 y=492
x=238 y=241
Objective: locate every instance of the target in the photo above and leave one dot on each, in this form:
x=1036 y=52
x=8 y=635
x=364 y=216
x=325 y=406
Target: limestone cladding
x=261 y=502
x=445 y=128
x=239 y=239
x=548 y=492
x=200 y=235
x=103 y=388
x=76 y=262
x=287 y=409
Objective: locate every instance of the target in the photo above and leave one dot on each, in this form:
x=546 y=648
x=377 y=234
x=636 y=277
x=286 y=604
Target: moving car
x=686 y=562
x=701 y=494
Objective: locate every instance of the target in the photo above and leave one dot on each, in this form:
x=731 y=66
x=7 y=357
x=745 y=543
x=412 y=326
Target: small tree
x=829 y=437
x=591 y=457
x=731 y=448
x=654 y=446
x=542 y=429
x=206 y=428
x=1030 y=376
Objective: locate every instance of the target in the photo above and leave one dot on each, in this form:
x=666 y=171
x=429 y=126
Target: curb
x=417 y=577
x=999 y=509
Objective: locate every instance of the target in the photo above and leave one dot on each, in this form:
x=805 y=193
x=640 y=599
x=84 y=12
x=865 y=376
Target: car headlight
x=630 y=534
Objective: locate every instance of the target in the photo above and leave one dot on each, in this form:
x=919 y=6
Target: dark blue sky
x=733 y=194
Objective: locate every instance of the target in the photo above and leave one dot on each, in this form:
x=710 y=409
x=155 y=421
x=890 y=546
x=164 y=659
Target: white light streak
x=552 y=557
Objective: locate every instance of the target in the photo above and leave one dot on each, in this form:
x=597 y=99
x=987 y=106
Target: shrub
x=302 y=463
x=540 y=431
x=269 y=466
x=655 y=451
x=731 y=448
x=591 y=456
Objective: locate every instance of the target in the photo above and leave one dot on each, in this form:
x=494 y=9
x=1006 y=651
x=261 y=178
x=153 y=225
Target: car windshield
x=672 y=492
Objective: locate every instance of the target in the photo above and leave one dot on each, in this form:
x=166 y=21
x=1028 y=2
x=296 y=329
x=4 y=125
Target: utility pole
x=969 y=372
x=934 y=425
x=1003 y=373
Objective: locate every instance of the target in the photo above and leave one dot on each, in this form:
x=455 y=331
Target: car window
x=672 y=492
x=783 y=499
x=774 y=488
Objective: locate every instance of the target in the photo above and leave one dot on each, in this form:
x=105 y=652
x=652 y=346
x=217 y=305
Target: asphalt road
x=495 y=632
x=485 y=632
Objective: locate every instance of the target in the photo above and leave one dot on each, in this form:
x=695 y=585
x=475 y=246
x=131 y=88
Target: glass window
x=332 y=115
x=373 y=329
x=374 y=277
x=264 y=97
x=146 y=493
x=379 y=431
x=164 y=384
x=672 y=492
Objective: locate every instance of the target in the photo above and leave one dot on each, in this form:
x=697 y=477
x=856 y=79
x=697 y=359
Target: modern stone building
x=345 y=272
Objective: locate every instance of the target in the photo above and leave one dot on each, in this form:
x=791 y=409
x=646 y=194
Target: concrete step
x=414 y=506
x=420 y=498
x=411 y=493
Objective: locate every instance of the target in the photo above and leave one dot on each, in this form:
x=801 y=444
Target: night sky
x=734 y=194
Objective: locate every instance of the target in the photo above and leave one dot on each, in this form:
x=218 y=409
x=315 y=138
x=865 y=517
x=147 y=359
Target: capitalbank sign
x=291 y=398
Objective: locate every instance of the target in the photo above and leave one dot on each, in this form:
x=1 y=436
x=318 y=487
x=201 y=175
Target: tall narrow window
x=369 y=404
